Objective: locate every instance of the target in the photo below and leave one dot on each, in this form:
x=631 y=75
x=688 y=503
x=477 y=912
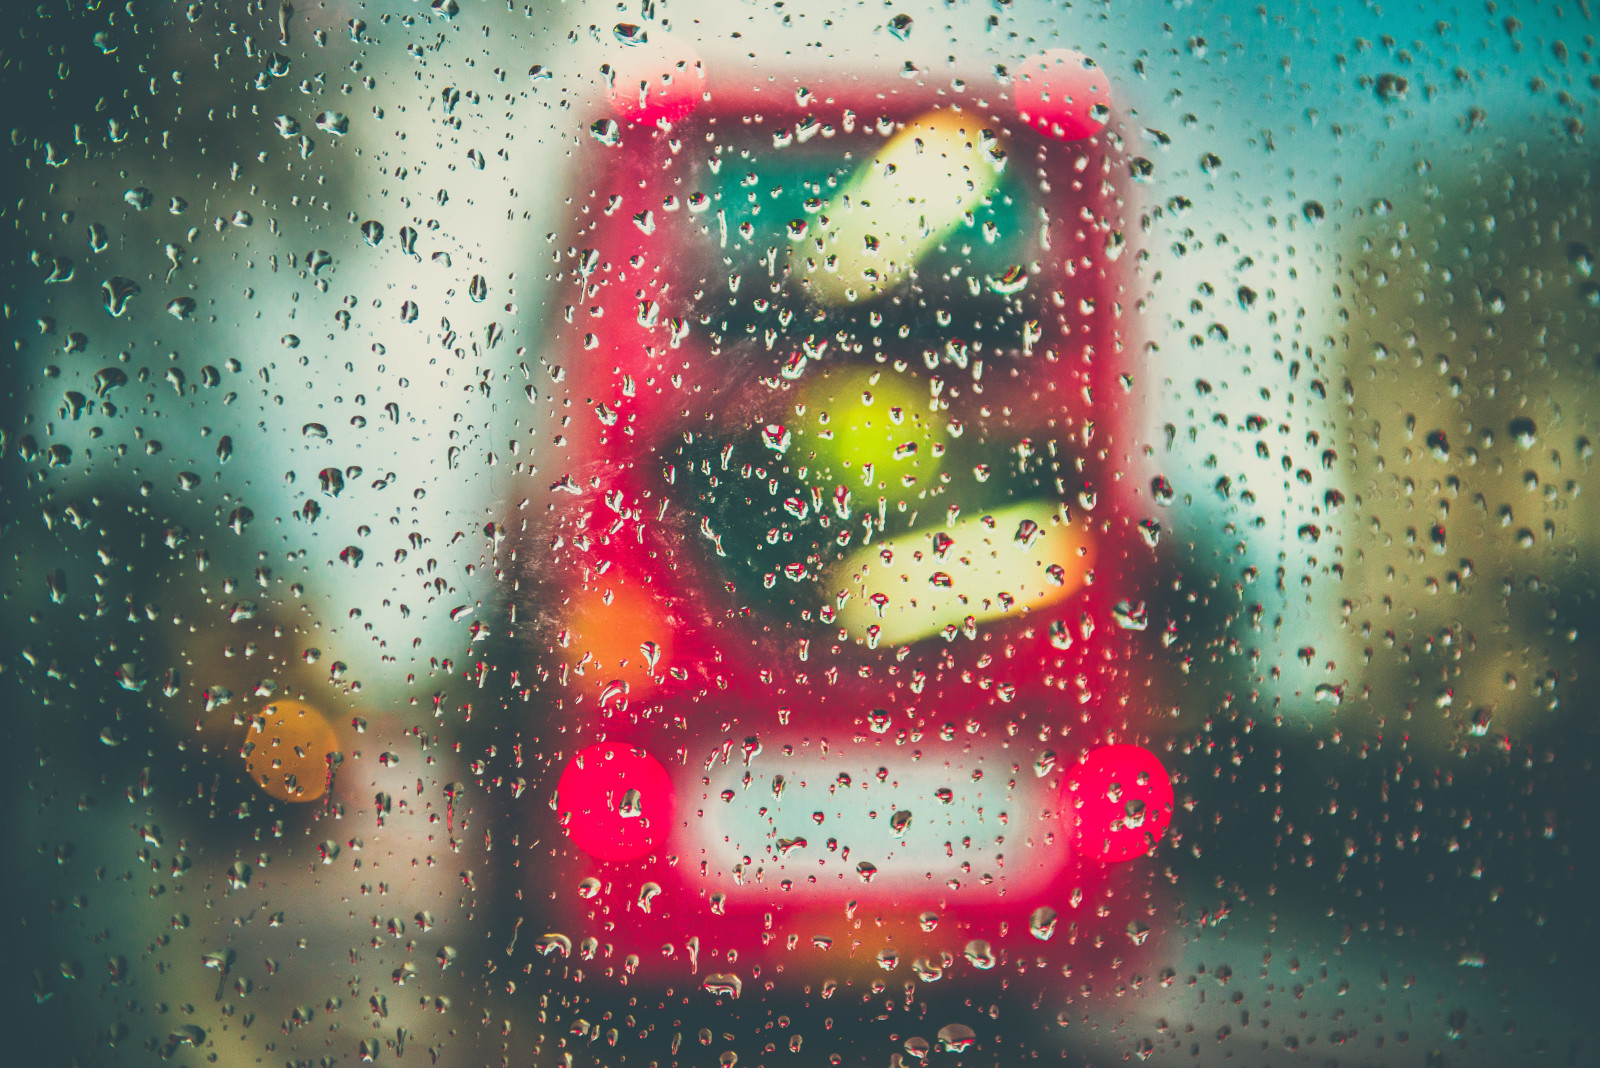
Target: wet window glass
x=688 y=534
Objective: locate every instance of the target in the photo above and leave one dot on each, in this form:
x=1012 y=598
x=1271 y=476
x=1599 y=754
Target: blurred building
x=1471 y=546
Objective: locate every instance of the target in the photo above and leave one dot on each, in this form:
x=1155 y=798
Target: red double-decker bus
x=841 y=602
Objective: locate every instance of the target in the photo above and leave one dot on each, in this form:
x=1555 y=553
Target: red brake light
x=615 y=801
x=1120 y=798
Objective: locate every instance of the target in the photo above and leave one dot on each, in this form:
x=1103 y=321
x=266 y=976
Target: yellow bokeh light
x=864 y=417
x=286 y=753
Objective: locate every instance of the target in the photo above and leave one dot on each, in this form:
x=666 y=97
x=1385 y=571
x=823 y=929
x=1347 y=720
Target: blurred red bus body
x=845 y=600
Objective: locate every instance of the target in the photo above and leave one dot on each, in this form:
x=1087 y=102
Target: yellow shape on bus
x=1015 y=559
x=900 y=205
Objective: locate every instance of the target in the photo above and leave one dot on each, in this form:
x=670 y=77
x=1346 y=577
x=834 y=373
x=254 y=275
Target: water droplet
x=1060 y=634
x=776 y=437
x=553 y=944
x=117 y=292
x=1013 y=280
x=239 y=875
x=1581 y=258
x=956 y=1038
x=723 y=984
x=1392 y=87
x=631 y=805
x=1131 y=616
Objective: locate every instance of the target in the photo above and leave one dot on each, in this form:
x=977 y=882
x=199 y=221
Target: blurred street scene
x=688 y=534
